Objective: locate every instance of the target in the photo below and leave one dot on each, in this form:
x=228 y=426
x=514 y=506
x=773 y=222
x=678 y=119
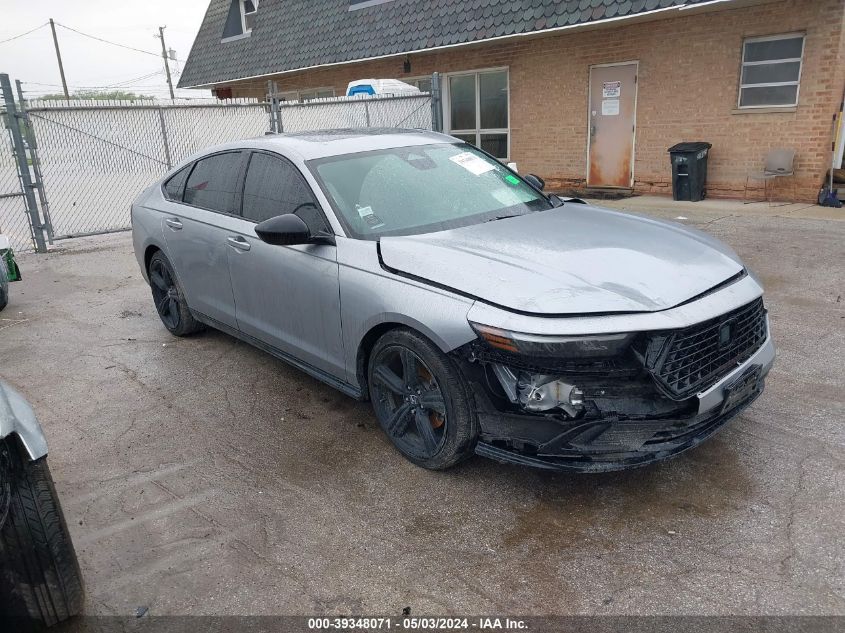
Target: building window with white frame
x=317 y=93
x=249 y=9
x=478 y=110
x=771 y=71
x=241 y=19
x=307 y=95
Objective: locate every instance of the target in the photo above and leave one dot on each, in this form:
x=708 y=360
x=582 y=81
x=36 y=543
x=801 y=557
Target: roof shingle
x=293 y=34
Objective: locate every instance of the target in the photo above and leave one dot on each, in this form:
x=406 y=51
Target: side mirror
x=284 y=230
x=535 y=181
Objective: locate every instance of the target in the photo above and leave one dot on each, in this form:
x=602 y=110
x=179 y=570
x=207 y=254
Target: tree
x=103 y=95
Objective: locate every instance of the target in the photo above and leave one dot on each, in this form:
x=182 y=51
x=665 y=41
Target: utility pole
x=59 y=59
x=166 y=64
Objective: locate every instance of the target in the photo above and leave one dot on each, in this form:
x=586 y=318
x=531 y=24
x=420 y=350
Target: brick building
x=581 y=92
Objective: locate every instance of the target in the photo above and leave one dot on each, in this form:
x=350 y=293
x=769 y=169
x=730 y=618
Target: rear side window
x=213 y=183
x=275 y=187
x=174 y=187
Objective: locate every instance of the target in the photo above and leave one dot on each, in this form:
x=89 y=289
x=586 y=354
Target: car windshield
x=421 y=189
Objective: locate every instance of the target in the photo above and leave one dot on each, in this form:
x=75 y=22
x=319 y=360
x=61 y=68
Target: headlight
x=592 y=346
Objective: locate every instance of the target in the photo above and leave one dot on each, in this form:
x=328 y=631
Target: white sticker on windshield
x=367 y=214
x=472 y=163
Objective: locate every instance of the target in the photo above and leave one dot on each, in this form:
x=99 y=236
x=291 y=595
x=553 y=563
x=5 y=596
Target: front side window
x=478 y=110
x=174 y=187
x=275 y=187
x=213 y=183
x=771 y=71
x=421 y=189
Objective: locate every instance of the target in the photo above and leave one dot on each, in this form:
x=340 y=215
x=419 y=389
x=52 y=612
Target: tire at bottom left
x=40 y=580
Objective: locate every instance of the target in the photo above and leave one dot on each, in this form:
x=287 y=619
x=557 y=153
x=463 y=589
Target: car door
x=196 y=229
x=286 y=296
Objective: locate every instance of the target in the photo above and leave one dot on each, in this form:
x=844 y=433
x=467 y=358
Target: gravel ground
x=201 y=476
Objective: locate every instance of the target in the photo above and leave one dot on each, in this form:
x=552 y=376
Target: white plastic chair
x=779 y=164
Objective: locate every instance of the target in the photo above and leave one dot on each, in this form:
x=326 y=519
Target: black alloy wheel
x=165 y=294
x=420 y=400
x=169 y=298
x=408 y=399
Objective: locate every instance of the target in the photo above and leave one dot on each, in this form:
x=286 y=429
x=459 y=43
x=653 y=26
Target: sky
x=90 y=63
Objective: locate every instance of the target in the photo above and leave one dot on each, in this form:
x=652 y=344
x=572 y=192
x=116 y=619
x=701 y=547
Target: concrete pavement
x=202 y=476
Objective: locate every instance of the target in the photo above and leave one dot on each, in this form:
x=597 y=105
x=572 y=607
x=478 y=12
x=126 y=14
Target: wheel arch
x=379 y=329
x=151 y=250
x=19 y=420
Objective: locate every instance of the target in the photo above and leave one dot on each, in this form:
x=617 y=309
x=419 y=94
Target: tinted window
x=174 y=187
x=213 y=183
x=275 y=187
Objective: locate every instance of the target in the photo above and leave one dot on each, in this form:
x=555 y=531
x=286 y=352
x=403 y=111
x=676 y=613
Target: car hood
x=576 y=259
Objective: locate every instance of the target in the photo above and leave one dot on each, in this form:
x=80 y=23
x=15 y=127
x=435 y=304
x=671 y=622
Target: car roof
x=325 y=143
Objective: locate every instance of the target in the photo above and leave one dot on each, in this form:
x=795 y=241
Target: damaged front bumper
x=618 y=439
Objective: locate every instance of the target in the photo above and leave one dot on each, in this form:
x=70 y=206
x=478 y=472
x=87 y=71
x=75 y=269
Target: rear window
x=174 y=187
x=213 y=183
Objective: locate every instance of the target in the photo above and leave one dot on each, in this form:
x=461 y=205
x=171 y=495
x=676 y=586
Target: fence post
x=436 y=103
x=164 y=138
x=275 y=113
x=36 y=163
x=23 y=168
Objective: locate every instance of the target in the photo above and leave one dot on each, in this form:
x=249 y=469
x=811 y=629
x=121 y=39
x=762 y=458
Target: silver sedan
x=475 y=312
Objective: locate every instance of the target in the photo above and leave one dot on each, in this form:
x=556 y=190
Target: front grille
x=695 y=358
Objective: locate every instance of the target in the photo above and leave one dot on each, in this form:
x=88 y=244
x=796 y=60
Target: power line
x=129 y=82
x=118 y=84
x=111 y=81
x=100 y=39
x=24 y=34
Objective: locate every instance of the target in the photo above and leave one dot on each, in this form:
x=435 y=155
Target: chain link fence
x=14 y=222
x=15 y=215
x=88 y=160
x=96 y=160
x=406 y=111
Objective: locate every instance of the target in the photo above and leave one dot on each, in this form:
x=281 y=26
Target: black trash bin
x=689 y=170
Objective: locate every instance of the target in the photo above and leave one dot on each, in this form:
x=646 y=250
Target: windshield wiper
x=503 y=217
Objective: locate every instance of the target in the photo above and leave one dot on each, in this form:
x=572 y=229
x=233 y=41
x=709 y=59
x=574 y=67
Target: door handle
x=173 y=223
x=238 y=242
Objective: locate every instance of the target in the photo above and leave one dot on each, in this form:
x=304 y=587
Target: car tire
x=169 y=298
x=454 y=425
x=40 y=578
